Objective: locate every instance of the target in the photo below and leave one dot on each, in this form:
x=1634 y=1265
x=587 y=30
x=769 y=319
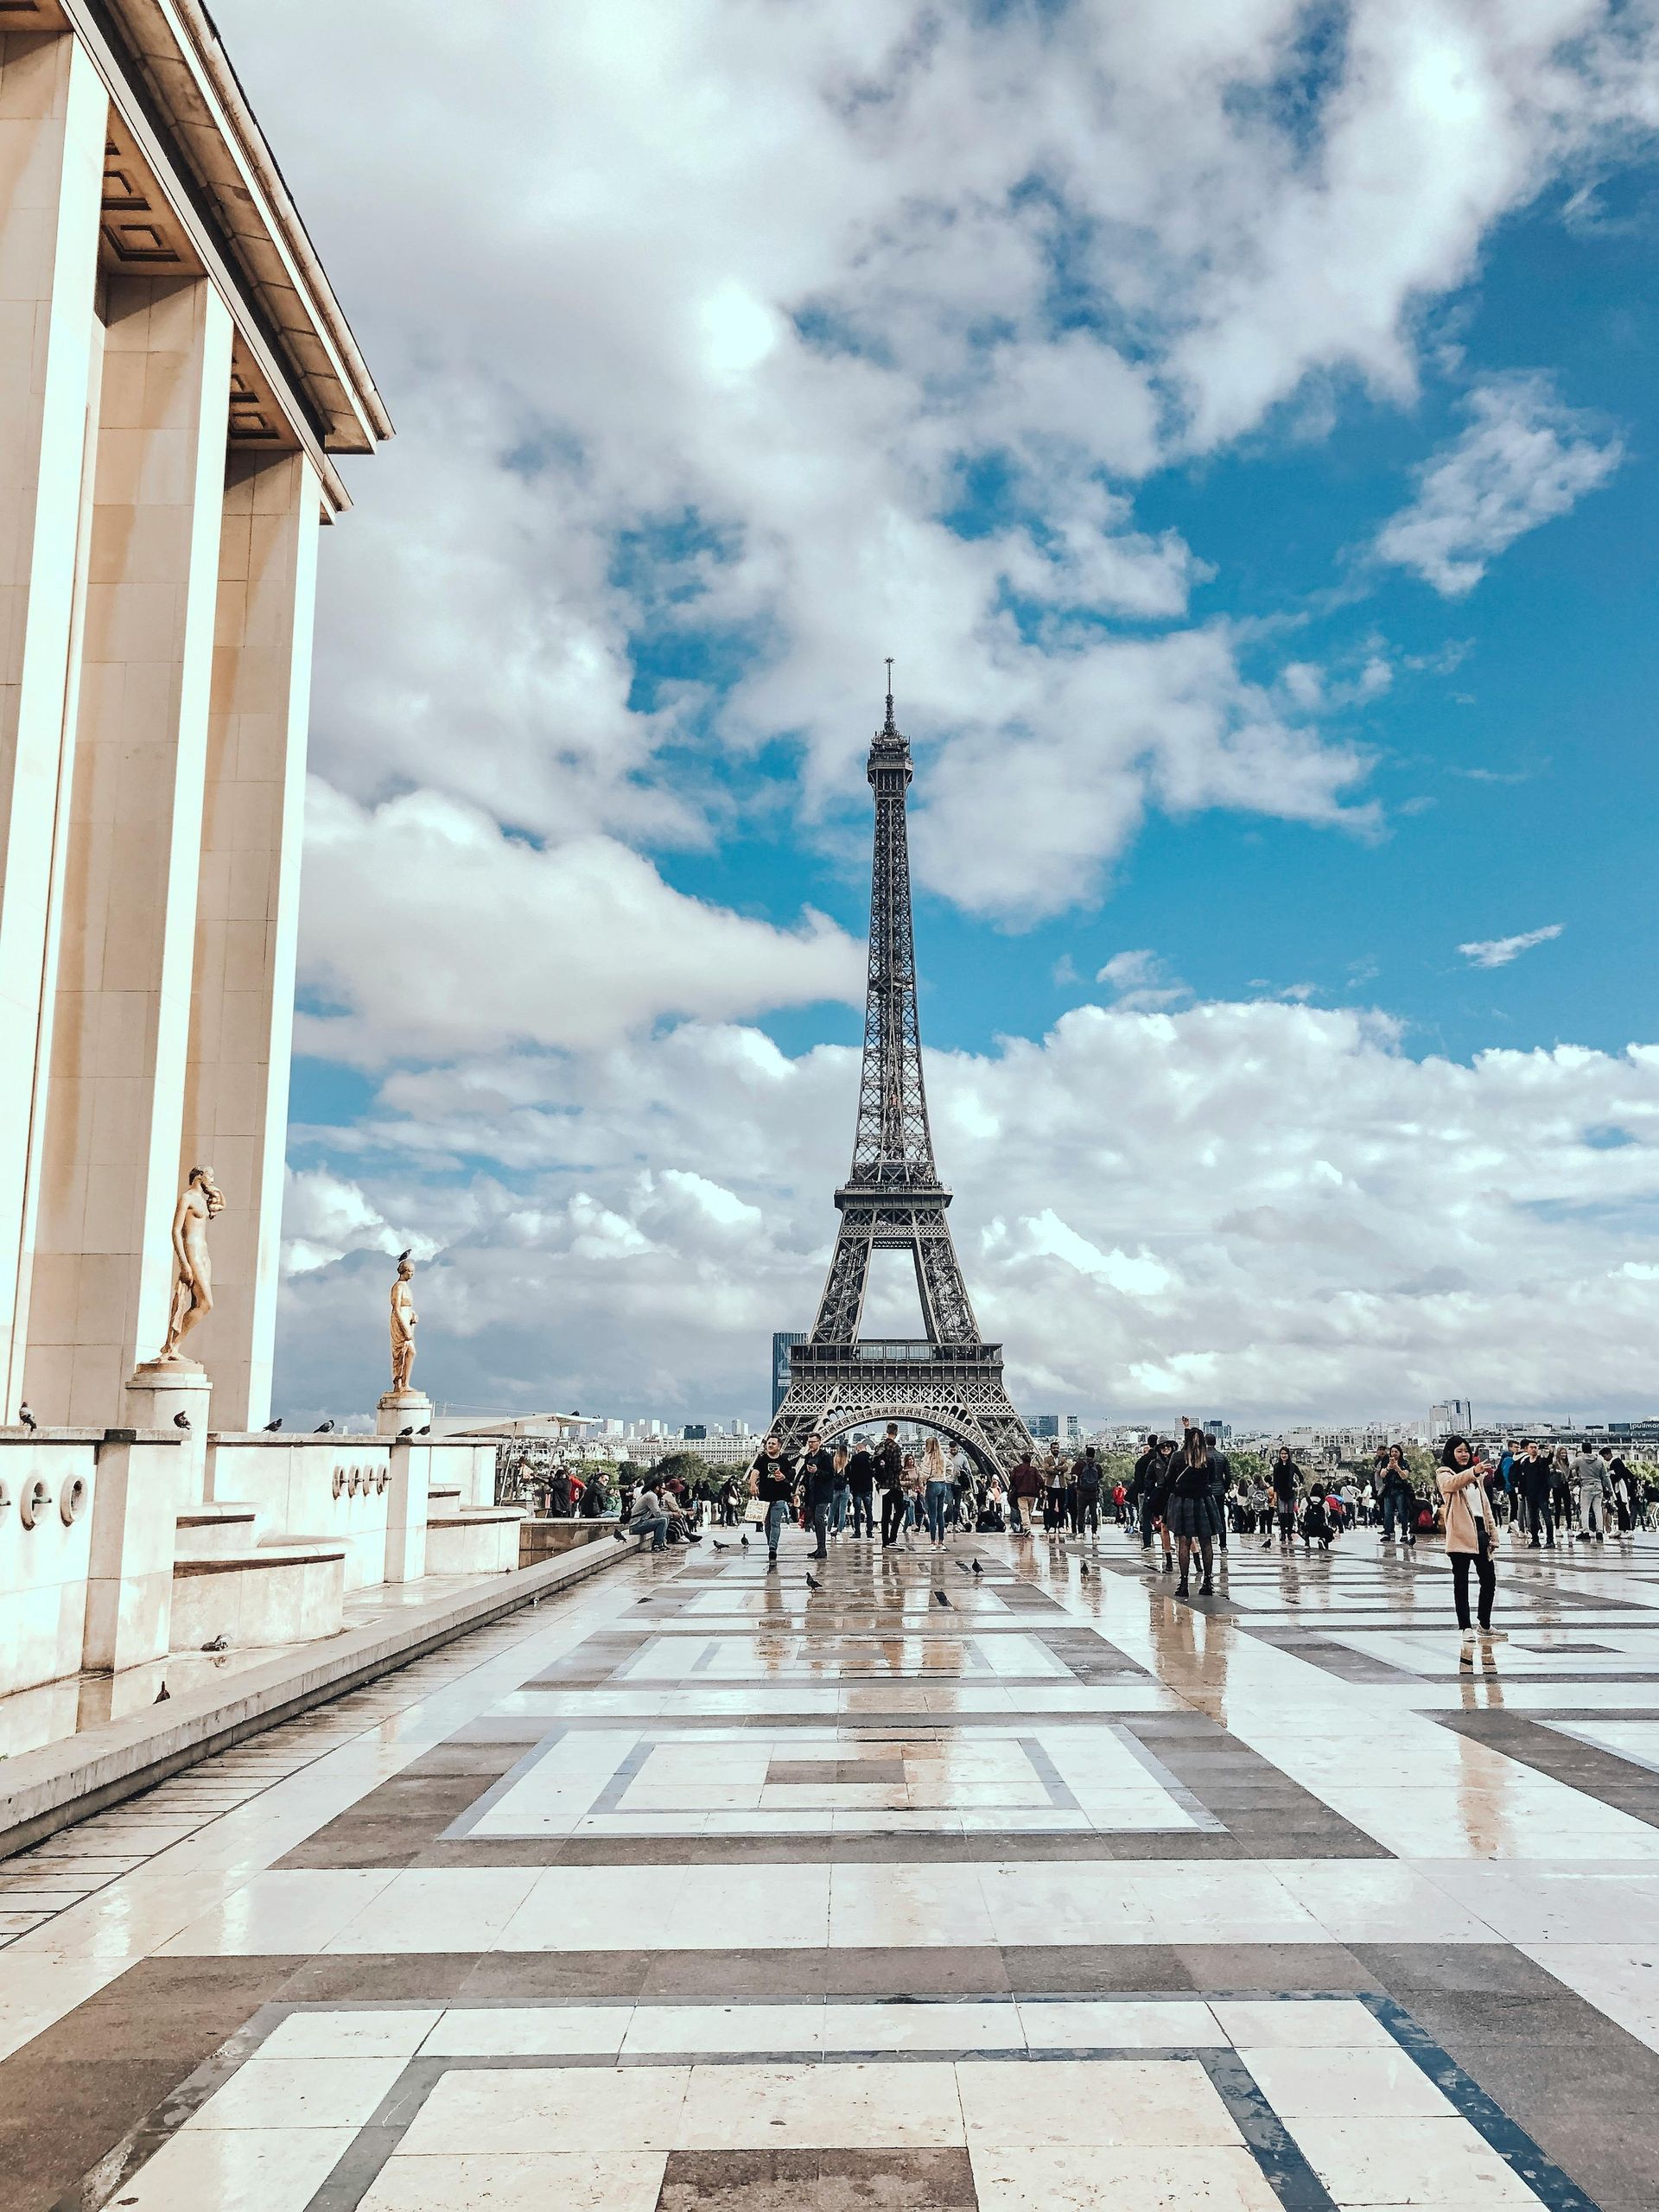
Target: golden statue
x=404 y=1318
x=193 y=1292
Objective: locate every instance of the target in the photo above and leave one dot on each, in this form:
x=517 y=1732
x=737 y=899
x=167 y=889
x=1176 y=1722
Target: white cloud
x=1141 y=983
x=1498 y=951
x=1523 y=460
x=1271 y=1201
x=431 y=932
x=704 y=313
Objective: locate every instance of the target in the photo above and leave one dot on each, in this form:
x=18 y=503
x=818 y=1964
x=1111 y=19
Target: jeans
x=1487 y=1573
x=822 y=1514
x=777 y=1514
x=892 y=1515
x=841 y=1500
x=1085 y=1507
x=657 y=1529
x=864 y=1512
x=1397 y=1509
x=938 y=1501
x=1540 y=1519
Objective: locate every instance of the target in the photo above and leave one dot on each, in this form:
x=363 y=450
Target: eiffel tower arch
x=893 y=1200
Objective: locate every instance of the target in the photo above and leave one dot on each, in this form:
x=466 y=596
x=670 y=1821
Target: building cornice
x=172 y=85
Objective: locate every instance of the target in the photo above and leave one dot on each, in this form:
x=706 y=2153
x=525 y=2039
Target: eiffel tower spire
x=893 y=1198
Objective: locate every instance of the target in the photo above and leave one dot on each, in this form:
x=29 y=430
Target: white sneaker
x=1494 y=1635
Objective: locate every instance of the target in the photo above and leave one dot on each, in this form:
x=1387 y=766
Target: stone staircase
x=470 y=1539
x=229 y=1580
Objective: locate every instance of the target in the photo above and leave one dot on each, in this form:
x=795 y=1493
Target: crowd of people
x=1181 y=1497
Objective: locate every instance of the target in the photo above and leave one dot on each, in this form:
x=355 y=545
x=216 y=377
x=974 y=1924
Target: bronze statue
x=192 y=1292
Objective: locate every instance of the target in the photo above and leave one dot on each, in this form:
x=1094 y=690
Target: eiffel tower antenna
x=892 y=1200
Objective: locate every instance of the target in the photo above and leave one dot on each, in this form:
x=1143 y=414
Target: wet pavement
x=698 y=1887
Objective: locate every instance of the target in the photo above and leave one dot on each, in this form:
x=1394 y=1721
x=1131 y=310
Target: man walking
x=1085 y=1494
x=1025 y=1485
x=860 y=1484
x=772 y=1479
x=890 y=1480
x=819 y=1477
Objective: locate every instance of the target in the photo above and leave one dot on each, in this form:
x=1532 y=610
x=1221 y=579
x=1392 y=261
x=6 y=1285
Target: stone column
x=247 y=912
x=406 y=1497
x=115 y=1107
x=53 y=126
x=142 y=1485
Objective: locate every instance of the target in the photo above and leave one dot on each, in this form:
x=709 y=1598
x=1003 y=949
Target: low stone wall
x=540 y=1540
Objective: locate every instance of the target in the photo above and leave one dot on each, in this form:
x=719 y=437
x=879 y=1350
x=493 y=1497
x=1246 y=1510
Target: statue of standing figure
x=404 y=1318
x=192 y=1292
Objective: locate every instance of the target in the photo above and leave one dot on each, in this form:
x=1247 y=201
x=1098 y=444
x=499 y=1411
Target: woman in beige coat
x=1470 y=1535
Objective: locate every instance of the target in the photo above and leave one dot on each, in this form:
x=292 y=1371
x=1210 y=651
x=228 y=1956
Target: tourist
x=818 y=1485
x=910 y=1476
x=1535 y=1478
x=1399 y=1497
x=860 y=1484
x=1025 y=1487
x=889 y=1477
x=1468 y=1538
x=1197 y=1479
x=772 y=1480
x=964 y=1486
x=1055 y=1475
x=649 y=1518
x=1160 y=1481
x=993 y=1518
x=1086 y=1477
x=1316 y=1523
x=841 y=1493
x=1560 y=1488
x=937 y=1492
x=1594 y=1485
x=1283 y=1481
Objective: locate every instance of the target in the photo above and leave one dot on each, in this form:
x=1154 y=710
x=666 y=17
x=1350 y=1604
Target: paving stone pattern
x=695 y=1889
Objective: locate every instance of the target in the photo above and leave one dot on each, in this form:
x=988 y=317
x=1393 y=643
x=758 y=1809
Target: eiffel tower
x=892 y=1200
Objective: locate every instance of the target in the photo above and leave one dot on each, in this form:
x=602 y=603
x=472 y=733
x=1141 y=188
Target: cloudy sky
x=1238 y=419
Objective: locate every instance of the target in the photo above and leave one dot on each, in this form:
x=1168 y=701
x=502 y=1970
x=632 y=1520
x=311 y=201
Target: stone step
x=282 y=1592
x=217 y=1530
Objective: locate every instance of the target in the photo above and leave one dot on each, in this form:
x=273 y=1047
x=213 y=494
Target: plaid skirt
x=1193 y=1516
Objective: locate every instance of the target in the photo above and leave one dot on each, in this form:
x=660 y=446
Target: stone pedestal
x=402 y=1410
x=406 y=1508
x=158 y=1391
x=142 y=1488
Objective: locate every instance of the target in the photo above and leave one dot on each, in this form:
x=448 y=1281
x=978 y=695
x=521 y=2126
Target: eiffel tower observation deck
x=893 y=1200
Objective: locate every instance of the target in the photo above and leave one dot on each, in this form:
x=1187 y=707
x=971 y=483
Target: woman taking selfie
x=1468 y=1539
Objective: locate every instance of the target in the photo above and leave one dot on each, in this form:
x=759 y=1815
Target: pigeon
x=271 y=1427
x=939 y=1598
x=427 y=1431
x=978 y=1569
x=27 y=1419
x=812 y=1582
x=323 y=1428
x=745 y=1542
x=181 y=1419
x=163 y=1696
x=404 y=1254
x=718 y=1546
x=219 y=1644
x=402 y=1433
x=1082 y=1569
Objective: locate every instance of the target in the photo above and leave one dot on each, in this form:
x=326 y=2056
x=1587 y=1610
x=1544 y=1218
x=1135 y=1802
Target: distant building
x=694 y=1432
x=783 y=1342
x=1044 y=1426
x=1452 y=1417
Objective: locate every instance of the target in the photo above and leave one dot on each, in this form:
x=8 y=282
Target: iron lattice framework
x=893 y=1200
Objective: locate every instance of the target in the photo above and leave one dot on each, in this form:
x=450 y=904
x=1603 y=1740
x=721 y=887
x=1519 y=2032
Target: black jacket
x=819 y=1471
x=860 y=1472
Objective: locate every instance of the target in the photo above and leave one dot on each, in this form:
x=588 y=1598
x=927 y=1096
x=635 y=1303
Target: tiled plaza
x=698 y=1888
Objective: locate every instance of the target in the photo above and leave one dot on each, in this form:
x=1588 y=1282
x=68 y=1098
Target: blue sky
x=1240 y=429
